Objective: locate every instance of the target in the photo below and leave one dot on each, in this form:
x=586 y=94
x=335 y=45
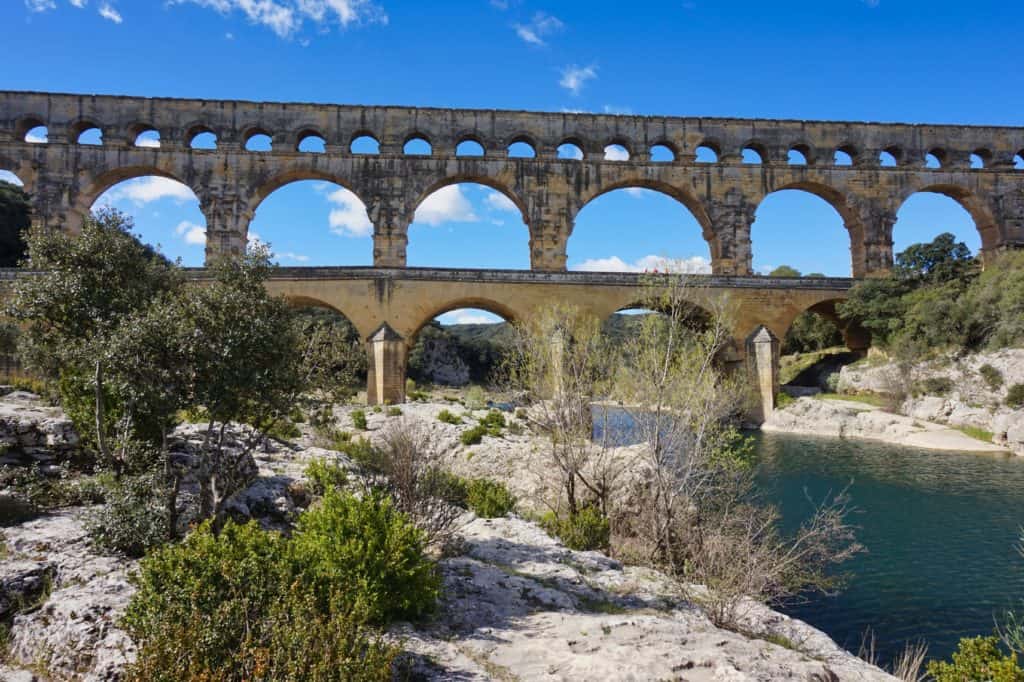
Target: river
x=940 y=529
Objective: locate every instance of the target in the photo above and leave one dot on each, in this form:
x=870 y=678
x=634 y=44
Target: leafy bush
x=394 y=412
x=1015 y=395
x=783 y=399
x=992 y=376
x=359 y=419
x=134 y=519
x=362 y=452
x=475 y=399
x=324 y=475
x=494 y=421
x=448 y=418
x=978 y=658
x=474 y=435
x=585 y=530
x=489 y=499
x=364 y=551
x=832 y=382
x=935 y=385
x=450 y=487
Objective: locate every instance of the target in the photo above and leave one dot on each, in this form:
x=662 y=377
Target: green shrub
x=359 y=419
x=935 y=386
x=283 y=430
x=377 y=409
x=450 y=487
x=394 y=412
x=494 y=421
x=364 y=551
x=473 y=435
x=475 y=399
x=832 y=382
x=410 y=386
x=448 y=418
x=324 y=475
x=978 y=658
x=489 y=499
x=783 y=399
x=1015 y=395
x=521 y=413
x=362 y=452
x=134 y=519
x=585 y=530
x=992 y=376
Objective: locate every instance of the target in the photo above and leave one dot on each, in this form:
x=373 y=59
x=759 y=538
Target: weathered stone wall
x=66 y=178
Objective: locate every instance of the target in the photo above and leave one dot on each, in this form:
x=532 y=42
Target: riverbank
x=516 y=603
x=839 y=418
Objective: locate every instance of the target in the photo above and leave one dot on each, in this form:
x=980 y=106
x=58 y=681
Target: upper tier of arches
x=440 y=132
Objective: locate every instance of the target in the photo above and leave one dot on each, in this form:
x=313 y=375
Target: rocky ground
x=924 y=420
x=517 y=604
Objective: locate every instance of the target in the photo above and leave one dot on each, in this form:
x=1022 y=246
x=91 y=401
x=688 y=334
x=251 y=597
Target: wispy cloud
x=575 y=77
x=616 y=152
x=287 y=17
x=40 y=5
x=500 y=202
x=8 y=176
x=145 y=190
x=692 y=265
x=108 y=12
x=194 y=235
x=448 y=204
x=348 y=218
x=468 y=316
x=540 y=27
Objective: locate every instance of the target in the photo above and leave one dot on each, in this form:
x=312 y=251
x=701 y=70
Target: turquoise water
x=940 y=529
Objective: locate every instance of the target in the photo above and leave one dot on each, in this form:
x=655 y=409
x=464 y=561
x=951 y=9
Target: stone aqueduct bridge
x=389 y=303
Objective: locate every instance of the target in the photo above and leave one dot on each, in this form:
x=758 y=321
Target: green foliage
x=941 y=260
x=992 y=376
x=784 y=271
x=448 y=418
x=481 y=346
x=362 y=452
x=238 y=605
x=978 y=658
x=364 y=552
x=783 y=400
x=334 y=360
x=394 y=412
x=15 y=218
x=134 y=519
x=587 y=529
x=358 y=419
x=489 y=499
x=473 y=435
x=1015 y=395
x=811 y=332
x=450 y=487
x=935 y=386
x=494 y=422
x=475 y=399
x=324 y=475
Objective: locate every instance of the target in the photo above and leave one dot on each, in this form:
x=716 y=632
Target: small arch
x=571 y=149
x=33 y=126
x=616 y=152
x=1018 y=160
x=37 y=135
x=310 y=141
x=86 y=132
x=662 y=153
x=521 y=149
x=417 y=145
x=471 y=336
x=258 y=140
x=936 y=158
x=147 y=137
x=364 y=143
x=11 y=178
x=980 y=158
x=842 y=157
x=753 y=153
x=707 y=152
x=890 y=157
x=469 y=147
x=922 y=216
x=201 y=137
x=798 y=155
x=476 y=303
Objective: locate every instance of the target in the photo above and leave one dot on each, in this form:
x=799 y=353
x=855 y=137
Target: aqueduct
x=974 y=165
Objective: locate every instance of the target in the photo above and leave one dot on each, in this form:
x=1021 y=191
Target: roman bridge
x=841 y=162
x=389 y=306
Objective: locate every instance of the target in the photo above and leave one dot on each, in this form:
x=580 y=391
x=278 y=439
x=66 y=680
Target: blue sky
x=888 y=60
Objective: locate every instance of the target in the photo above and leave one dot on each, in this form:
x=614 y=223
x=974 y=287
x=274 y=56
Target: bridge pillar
x=227 y=222
x=548 y=246
x=763 y=361
x=871 y=242
x=731 y=252
x=385 y=379
x=389 y=249
x=391 y=214
x=53 y=205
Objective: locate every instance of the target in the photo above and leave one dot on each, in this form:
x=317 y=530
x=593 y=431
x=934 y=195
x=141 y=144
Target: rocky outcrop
x=440 y=362
x=33 y=433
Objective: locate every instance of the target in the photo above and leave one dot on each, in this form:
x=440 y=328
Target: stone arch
x=306 y=132
x=363 y=134
x=296 y=174
x=364 y=327
x=491 y=305
x=854 y=336
x=197 y=128
x=758 y=147
x=101 y=183
x=252 y=131
x=520 y=138
x=81 y=125
x=472 y=137
x=689 y=201
x=417 y=136
x=26 y=123
x=474 y=178
x=804 y=150
x=979 y=210
x=662 y=143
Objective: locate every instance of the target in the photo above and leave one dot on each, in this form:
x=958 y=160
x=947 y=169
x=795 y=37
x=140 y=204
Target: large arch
x=855 y=337
x=468 y=205
x=638 y=201
x=475 y=341
x=976 y=208
x=301 y=215
x=491 y=305
x=810 y=201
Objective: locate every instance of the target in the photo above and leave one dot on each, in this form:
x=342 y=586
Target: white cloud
x=287 y=17
x=147 y=142
x=348 y=218
x=692 y=265
x=192 y=234
x=8 y=176
x=40 y=5
x=444 y=205
x=541 y=26
x=574 y=77
x=144 y=190
x=466 y=316
x=78 y=3
x=573 y=151
x=617 y=111
x=289 y=256
x=108 y=12
x=637 y=192
x=500 y=202
x=229 y=36
x=35 y=138
x=614 y=152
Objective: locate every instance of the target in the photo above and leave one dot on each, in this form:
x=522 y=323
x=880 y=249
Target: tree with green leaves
x=784 y=271
x=15 y=219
